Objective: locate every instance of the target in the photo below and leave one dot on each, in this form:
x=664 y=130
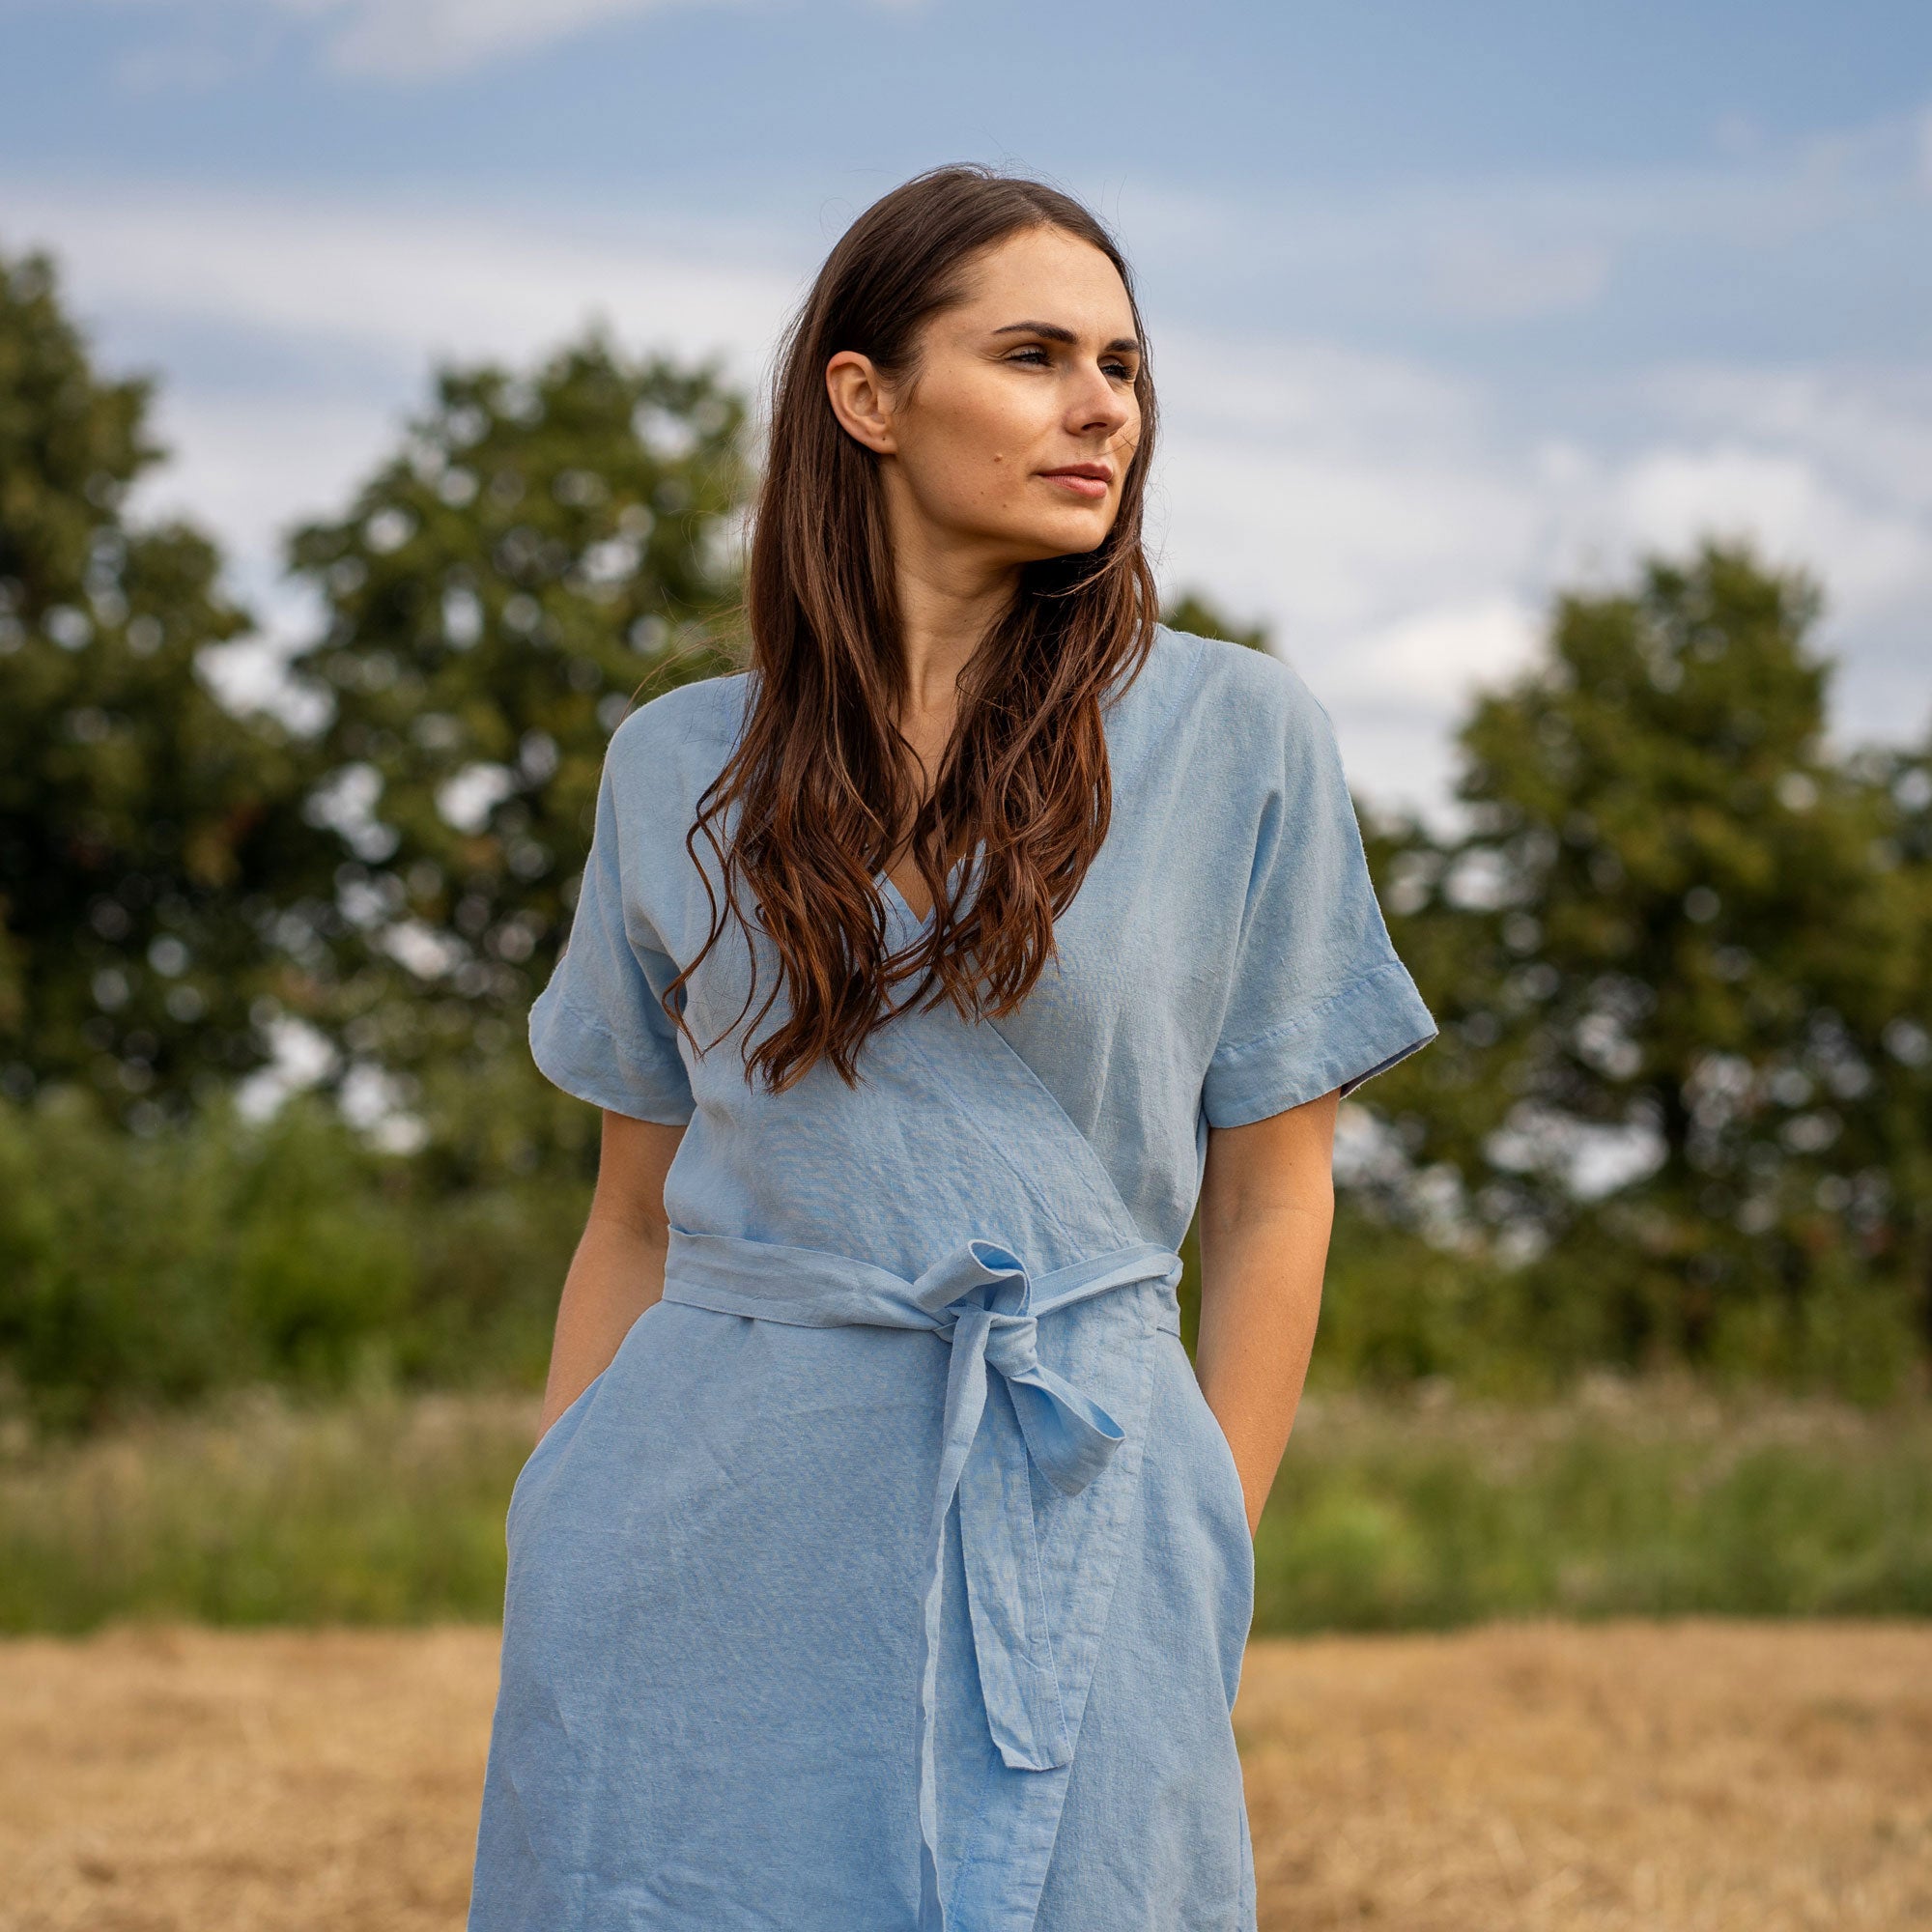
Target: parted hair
x=821 y=790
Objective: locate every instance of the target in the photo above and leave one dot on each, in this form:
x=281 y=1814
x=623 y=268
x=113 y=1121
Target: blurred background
x=1551 y=387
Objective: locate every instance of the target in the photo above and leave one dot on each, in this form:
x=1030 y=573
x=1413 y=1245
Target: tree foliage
x=541 y=553
x=1195 y=613
x=145 y=830
x=1679 y=958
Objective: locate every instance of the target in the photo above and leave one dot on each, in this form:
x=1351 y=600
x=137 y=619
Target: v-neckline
x=918 y=923
x=905 y=904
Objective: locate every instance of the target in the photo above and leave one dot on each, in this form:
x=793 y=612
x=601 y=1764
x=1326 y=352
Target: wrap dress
x=895 y=1575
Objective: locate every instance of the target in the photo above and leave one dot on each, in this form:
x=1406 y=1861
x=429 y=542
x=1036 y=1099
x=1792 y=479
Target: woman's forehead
x=1046 y=275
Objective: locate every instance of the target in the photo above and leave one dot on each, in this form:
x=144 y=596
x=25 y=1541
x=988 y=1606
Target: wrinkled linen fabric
x=895 y=1575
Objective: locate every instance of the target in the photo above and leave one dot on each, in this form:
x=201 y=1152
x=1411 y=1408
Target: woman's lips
x=1091 y=484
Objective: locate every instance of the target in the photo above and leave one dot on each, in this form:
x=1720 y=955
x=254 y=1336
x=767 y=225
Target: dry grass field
x=1693 y=1778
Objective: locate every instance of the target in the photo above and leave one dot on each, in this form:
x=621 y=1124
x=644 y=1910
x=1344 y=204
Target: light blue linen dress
x=895 y=1575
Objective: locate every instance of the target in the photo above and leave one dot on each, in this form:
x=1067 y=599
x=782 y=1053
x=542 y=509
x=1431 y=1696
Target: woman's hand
x=618 y=1269
x=1268 y=1202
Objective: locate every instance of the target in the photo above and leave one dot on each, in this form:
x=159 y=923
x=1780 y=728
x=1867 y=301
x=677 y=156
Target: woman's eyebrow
x=1052 y=331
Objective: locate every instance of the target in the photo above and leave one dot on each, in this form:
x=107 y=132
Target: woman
x=882 y=1563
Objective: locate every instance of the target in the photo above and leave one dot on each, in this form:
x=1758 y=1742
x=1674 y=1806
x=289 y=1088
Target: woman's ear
x=860 y=401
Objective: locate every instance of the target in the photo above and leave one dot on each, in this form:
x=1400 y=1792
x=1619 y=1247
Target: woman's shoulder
x=1223 y=701
x=681 y=738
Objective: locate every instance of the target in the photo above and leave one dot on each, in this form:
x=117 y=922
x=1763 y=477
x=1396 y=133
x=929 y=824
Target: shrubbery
x=146 y=1270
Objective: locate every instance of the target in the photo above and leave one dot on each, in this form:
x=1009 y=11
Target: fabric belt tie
x=983 y=1302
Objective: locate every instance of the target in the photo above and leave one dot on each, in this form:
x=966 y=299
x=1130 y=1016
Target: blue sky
x=1449 y=305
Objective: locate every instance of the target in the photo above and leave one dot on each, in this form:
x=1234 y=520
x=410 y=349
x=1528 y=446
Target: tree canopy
x=1194 y=612
x=541 y=554
x=1679 y=956
x=147 y=833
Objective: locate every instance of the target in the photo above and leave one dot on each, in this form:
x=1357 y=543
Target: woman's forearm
x=1260 y=1297
x=616 y=1274
x=618 y=1269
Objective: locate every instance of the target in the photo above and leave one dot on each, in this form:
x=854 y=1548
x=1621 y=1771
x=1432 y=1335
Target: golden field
x=1703 y=1776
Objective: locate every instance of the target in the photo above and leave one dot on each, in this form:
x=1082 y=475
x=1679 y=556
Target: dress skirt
x=710 y=1708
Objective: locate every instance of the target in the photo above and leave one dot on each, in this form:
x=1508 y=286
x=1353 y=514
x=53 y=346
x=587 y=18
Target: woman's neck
x=948 y=601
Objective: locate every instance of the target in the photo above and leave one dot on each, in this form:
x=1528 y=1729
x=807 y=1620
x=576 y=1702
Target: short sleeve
x=1318 y=1001
x=599 y=1029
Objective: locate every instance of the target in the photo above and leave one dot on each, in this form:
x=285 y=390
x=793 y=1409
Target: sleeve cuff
x=581 y=1056
x=1365 y=1028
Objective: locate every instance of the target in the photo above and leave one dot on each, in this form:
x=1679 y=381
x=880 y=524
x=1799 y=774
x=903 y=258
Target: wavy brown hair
x=821 y=791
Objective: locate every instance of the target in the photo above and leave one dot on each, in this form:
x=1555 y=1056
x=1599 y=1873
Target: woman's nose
x=1100 y=406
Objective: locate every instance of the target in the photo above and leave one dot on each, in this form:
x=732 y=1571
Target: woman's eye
x=1034 y=357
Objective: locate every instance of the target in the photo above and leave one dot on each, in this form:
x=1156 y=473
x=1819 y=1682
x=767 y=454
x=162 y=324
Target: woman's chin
x=1065 y=536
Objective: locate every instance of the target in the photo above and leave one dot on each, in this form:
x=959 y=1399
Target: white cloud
x=250 y=465
x=1830 y=469
x=405 y=39
x=1398 y=691
x=1431 y=662
x=1534 y=247
x=1877 y=558
x=1871 y=426
x=1364 y=504
x=391 y=40
x=346 y=305
x=1296 y=473
x=399 y=277
x=1488 y=277
x=384 y=40
x=1289 y=389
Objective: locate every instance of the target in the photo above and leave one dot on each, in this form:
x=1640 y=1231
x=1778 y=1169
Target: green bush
x=1397 y=1310
x=151 y=1271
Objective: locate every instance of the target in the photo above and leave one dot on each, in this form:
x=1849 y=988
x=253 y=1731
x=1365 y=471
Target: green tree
x=145 y=830
x=543 y=552
x=1679 y=962
x=1196 y=614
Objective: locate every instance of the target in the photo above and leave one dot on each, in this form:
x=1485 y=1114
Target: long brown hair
x=825 y=789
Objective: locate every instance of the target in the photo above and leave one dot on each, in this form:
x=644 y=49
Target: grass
x=1412 y=1513
x=1621 y=1500
x=381 y=1510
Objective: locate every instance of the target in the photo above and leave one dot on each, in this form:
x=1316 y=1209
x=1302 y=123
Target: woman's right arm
x=618 y=1269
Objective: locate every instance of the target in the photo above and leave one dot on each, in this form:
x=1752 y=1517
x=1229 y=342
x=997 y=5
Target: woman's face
x=1012 y=435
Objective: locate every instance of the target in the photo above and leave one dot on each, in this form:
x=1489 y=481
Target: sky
x=1449 y=307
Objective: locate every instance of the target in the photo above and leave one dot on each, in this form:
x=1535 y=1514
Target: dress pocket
x=1204 y=1487
x=1220 y=1479
x=1225 y=1451
x=548 y=1447
x=1240 y=1542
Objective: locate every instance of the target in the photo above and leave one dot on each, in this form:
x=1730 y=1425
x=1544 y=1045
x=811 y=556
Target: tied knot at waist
x=983 y=1300
x=982 y=1296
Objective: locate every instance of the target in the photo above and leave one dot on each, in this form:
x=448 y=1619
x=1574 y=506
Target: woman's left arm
x=1268 y=1202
